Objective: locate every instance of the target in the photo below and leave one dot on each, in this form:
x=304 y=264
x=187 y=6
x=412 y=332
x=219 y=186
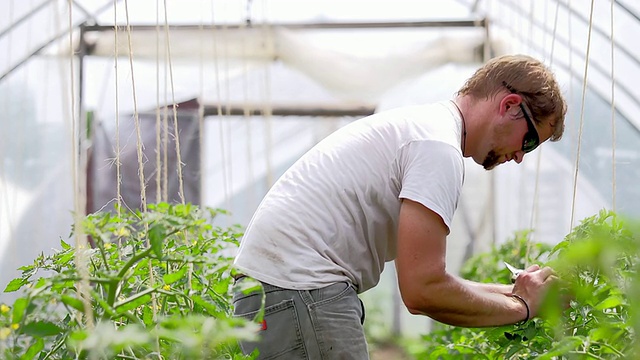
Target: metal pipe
x=290 y=110
x=311 y=26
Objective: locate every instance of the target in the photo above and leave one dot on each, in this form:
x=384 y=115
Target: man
x=385 y=188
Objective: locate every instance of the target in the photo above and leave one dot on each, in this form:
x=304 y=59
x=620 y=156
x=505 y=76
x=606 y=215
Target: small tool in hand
x=514 y=271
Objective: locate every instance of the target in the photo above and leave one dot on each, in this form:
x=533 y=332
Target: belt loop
x=306 y=296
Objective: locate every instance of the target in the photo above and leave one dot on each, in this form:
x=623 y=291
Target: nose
x=518 y=156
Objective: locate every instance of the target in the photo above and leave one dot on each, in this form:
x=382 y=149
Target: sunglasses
x=531 y=139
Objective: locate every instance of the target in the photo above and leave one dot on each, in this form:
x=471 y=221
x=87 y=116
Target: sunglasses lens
x=531 y=138
x=530 y=142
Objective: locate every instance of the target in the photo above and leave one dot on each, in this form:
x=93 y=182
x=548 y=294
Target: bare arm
x=428 y=289
x=492 y=288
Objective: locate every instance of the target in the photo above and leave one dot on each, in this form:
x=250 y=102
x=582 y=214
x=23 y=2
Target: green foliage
x=587 y=314
x=157 y=287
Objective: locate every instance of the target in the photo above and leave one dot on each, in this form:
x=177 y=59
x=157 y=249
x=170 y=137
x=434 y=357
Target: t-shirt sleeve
x=431 y=173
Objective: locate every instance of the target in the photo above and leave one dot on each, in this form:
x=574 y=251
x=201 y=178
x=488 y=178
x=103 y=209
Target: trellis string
x=613 y=116
x=584 y=91
x=117 y=112
x=79 y=175
x=139 y=145
x=536 y=192
x=174 y=106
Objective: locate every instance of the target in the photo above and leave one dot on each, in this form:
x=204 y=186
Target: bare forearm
x=493 y=288
x=460 y=302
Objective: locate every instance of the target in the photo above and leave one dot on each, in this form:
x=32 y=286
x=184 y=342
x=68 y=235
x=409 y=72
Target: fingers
x=533 y=268
x=546 y=272
x=533 y=284
x=534 y=276
x=543 y=273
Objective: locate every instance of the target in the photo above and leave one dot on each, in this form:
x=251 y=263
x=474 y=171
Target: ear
x=510 y=103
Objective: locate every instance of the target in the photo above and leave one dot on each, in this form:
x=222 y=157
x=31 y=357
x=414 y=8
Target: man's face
x=513 y=139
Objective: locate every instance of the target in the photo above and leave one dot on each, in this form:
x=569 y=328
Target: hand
x=532 y=284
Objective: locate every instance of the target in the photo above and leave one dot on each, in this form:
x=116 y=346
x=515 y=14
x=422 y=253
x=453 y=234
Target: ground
x=388 y=352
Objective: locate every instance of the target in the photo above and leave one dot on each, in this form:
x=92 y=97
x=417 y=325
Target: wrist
x=526 y=305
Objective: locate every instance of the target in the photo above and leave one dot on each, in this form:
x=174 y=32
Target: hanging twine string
x=219 y=113
x=267 y=107
x=613 y=118
x=136 y=118
x=526 y=24
x=176 y=131
x=201 y=105
x=246 y=110
x=139 y=145
x=531 y=17
x=536 y=188
x=584 y=91
x=118 y=149
x=228 y=144
x=165 y=137
x=78 y=168
x=536 y=192
x=572 y=114
x=158 y=117
x=117 y=111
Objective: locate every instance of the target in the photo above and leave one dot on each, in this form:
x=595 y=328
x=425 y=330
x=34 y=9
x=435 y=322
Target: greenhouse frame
x=95 y=91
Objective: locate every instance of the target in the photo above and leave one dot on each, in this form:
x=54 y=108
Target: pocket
x=280 y=333
x=331 y=293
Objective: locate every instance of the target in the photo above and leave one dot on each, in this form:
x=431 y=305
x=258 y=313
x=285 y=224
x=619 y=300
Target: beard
x=491 y=161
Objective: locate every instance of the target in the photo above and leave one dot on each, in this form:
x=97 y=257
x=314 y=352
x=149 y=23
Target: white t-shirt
x=333 y=216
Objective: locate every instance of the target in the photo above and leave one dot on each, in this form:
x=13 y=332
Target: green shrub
x=158 y=285
x=587 y=314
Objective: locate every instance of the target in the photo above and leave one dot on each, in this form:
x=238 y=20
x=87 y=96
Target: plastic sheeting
x=266 y=65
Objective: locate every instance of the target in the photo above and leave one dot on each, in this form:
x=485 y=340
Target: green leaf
x=147 y=316
x=79 y=335
x=15 y=285
x=156 y=237
x=73 y=302
x=600 y=333
x=40 y=283
x=513 y=350
x=134 y=301
x=65 y=258
x=34 y=349
x=41 y=329
x=19 y=306
x=64 y=245
x=170 y=278
x=210 y=308
x=610 y=302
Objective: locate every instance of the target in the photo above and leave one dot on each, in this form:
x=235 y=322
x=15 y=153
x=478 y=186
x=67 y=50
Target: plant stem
x=56 y=347
x=588 y=354
x=104 y=256
x=614 y=350
x=91 y=279
x=113 y=287
x=135 y=297
x=111 y=312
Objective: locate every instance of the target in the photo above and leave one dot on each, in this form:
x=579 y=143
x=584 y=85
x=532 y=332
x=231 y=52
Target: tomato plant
x=587 y=314
x=159 y=287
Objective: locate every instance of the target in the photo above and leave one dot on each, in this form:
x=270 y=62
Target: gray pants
x=324 y=323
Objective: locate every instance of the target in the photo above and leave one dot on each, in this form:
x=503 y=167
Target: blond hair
x=527 y=77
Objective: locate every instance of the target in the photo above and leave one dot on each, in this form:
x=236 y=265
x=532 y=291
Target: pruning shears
x=514 y=271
